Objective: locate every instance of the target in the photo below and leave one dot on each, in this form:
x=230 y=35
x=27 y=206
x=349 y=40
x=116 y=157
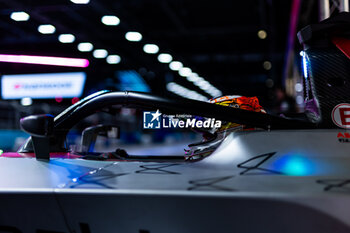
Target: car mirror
x=90 y=134
x=40 y=127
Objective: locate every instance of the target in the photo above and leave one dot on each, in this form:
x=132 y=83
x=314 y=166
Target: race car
x=287 y=175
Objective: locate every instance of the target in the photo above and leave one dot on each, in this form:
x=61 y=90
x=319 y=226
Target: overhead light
x=192 y=77
x=262 y=34
x=198 y=81
x=175 y=65
x=100 y=53
x=19 y=16
x=80 y=1
x=215 y=93
x=170 y=86
x=184 y=71
x=44 y=60
x=300 y=99
x=298 y=87
x=26 y=101
x=85 y=47
x=205 y=85
x=133 y=36
x=267 y=65
x=110 y=20
x=185 y=92
x=150 y=48
x=113 y=59
x=66 y=38
x=46 y=29
x=165 y=58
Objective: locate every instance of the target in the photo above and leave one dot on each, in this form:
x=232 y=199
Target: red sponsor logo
x=344 y=137
x=341 y=115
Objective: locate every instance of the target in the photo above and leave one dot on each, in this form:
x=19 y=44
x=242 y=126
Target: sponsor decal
x=344 y=137
x=341 y=115
x=157 y=120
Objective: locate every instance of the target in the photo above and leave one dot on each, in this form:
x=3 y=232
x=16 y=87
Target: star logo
x=151 y=120
x=156 y=115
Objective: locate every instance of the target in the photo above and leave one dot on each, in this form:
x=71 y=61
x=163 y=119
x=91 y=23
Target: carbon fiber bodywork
x=329 y=80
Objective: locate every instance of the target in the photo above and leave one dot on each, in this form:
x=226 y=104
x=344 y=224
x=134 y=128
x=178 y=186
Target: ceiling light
x=267 y=65
x=85 y=47
x=133 y=36
x=110 y=20
x=80 y=1
x=216 y=93
x=198 y=81
x=150 y=48
x=175 y=65
x=262 y=34
x=184 y=72
x=205 y=85
x=19 y=16
x=192 y=77
x=165 y=58
x=300 y=100
x=100 y=53
x=298 y=87
x=26 y=101
x=46 y=29
x=66 y=38
x=113 y=59
x=184 y=92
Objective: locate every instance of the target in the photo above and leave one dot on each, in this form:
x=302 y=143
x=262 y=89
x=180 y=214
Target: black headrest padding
x=336 y=25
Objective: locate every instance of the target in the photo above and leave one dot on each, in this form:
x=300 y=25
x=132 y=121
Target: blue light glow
x=130 y=80
x=294 y=165
x=305 y=64
x=75 y=179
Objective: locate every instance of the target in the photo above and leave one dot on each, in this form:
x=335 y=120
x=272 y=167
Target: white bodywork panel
x=255 y=181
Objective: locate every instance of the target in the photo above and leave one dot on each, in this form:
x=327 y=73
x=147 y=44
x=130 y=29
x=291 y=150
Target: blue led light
x=294 y=165
x=305 y=64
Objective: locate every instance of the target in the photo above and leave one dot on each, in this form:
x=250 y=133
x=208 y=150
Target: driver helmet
x=214 y=136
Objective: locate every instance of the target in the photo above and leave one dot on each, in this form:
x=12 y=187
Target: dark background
x=216 y=39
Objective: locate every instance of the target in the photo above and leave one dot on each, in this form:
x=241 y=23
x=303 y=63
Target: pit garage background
x=175 y=49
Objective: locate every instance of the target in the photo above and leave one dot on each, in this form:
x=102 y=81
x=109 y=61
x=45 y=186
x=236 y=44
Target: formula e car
x=288 y=175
